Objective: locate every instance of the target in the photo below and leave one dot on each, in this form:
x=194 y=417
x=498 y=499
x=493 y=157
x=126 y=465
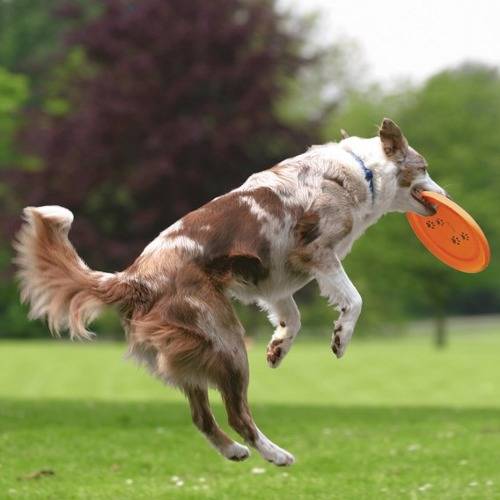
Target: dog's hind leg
x=285 y=316
x=201 y=343
x=205 y=421
x=232 y=381
x=184 y=359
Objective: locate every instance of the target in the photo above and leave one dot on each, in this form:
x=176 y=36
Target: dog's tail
x=54 y=280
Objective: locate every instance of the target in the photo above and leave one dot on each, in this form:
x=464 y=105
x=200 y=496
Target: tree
x=177 y=107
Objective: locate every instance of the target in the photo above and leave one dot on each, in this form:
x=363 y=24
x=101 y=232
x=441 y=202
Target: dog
x=259 y=243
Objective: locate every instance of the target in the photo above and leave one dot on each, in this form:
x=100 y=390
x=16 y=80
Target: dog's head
x=412 y=174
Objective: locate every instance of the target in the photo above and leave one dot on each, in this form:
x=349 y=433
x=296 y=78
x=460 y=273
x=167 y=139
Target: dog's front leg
x=337 y=287
x=285 y=316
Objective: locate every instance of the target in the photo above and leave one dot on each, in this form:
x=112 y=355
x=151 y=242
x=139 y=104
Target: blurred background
x=132 y=113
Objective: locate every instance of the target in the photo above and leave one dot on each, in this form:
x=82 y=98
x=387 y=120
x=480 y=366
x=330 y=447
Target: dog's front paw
x=340 y=340
x=276 y=351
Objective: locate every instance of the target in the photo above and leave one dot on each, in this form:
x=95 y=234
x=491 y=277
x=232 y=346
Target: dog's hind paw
x=276 y=455
x=282 y=459
x=236 y=452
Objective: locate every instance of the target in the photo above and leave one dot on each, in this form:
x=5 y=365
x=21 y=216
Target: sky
x=403 y=39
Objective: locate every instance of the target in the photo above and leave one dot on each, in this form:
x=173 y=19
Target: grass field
x=393 y=419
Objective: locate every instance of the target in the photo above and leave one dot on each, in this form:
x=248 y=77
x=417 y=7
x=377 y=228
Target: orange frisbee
x=451 y=235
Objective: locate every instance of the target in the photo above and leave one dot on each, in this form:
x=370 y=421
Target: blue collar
x=368 y=173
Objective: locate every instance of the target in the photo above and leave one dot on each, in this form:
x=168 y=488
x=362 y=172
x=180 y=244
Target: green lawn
x=393 y=419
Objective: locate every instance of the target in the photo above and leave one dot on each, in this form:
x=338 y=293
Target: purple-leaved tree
x=177 y=105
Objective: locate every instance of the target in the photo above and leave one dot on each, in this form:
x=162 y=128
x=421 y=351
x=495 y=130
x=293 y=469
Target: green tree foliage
x=13 y=94
x=31 y=30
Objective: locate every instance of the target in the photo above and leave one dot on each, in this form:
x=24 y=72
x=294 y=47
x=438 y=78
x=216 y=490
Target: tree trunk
x=440 y=331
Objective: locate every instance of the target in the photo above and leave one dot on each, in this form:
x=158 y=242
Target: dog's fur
x=259 y=243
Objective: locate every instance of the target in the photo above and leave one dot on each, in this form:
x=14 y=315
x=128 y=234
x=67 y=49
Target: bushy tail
x=54 y=280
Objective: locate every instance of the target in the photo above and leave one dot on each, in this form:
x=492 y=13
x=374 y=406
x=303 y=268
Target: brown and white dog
x=259 y=243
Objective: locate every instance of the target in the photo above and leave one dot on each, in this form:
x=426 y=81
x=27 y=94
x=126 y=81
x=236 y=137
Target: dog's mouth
x=429 y=207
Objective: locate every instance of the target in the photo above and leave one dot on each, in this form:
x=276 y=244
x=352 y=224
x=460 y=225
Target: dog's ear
x=343 y=134
x=393 y=140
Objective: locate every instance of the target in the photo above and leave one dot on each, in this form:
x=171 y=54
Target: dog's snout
x=429 y=185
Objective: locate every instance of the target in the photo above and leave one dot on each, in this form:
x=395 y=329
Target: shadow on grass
x=92 y=414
